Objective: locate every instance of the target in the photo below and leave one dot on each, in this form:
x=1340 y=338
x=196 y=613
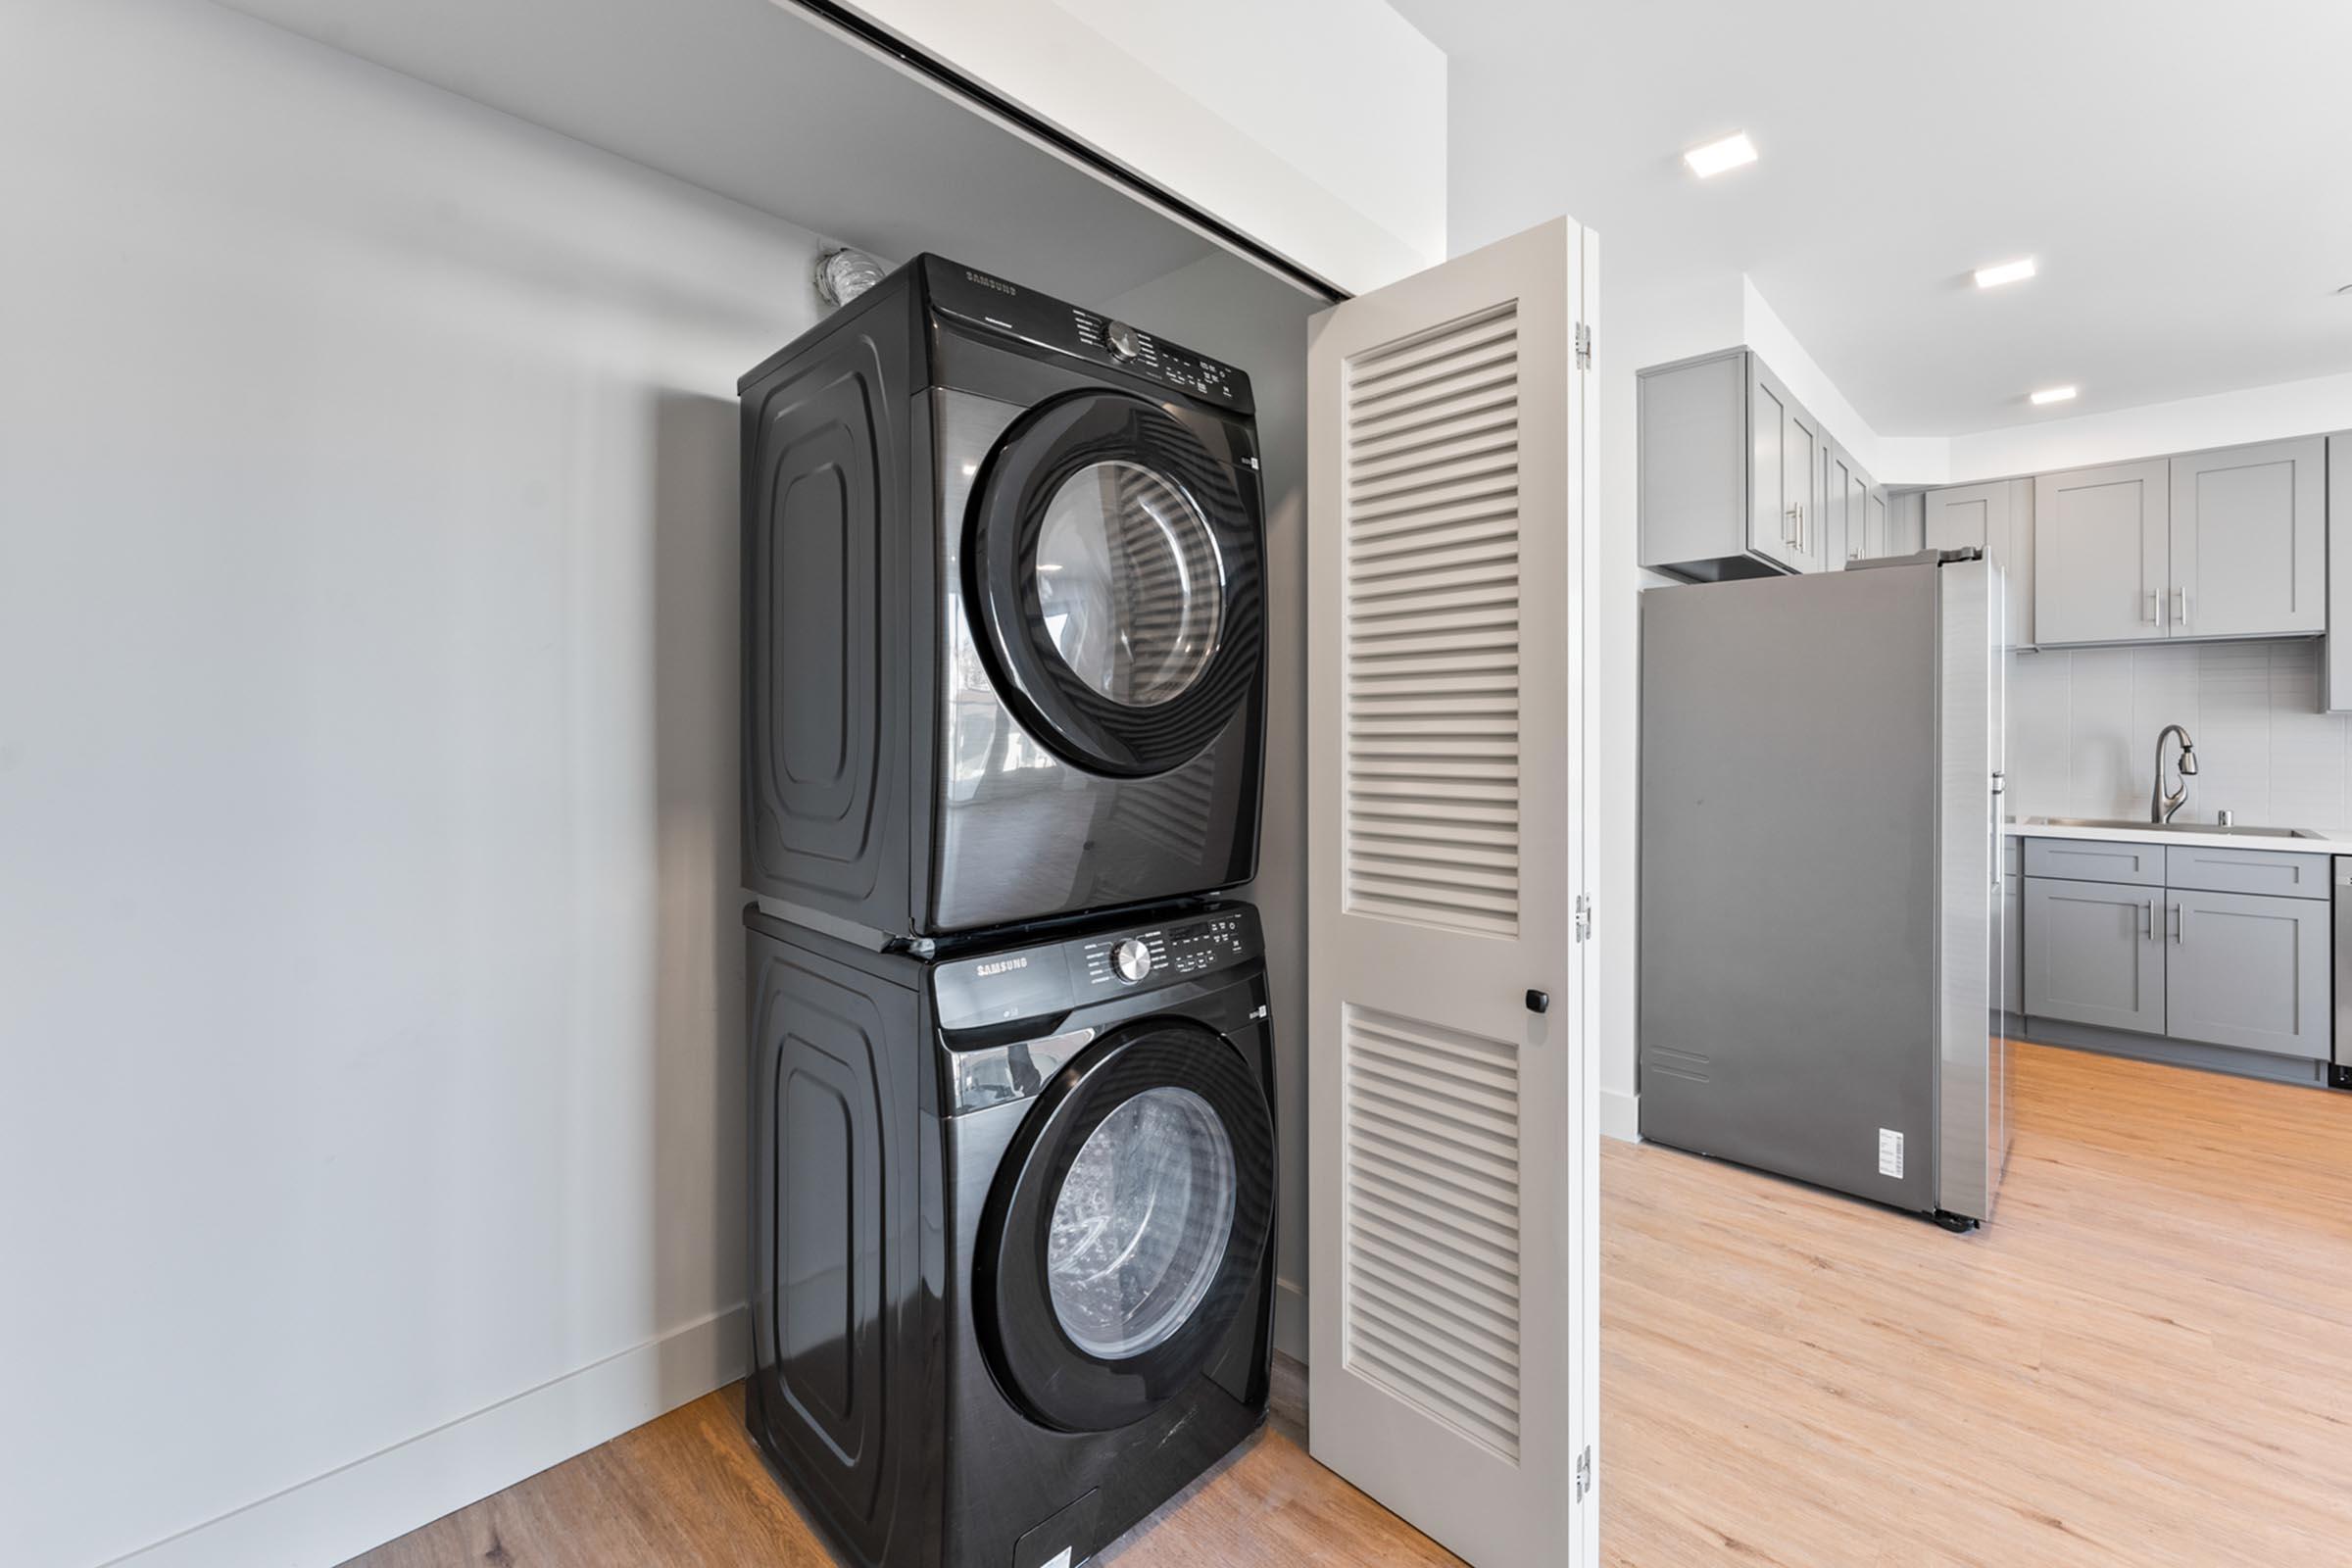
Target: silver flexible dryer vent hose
x=842 y=274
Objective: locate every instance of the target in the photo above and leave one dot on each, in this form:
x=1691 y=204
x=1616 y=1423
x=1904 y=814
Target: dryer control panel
x=1055 y=977
x=980 y=299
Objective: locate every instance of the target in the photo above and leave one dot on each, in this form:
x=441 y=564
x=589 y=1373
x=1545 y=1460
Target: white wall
x=368 y=942
x=2156 y=429
x=1227 y=308
x=1316 y=126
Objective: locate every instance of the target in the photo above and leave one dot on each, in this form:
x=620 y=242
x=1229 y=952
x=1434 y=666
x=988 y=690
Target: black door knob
x=1538 y=1002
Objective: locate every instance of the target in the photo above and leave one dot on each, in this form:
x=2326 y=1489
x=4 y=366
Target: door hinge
x=1584 y=1474
x=1583 y=917
x=1584 y=346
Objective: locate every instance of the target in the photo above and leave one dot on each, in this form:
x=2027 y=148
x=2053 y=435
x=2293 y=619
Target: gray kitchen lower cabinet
x=2243 y=969
x=2096 y=953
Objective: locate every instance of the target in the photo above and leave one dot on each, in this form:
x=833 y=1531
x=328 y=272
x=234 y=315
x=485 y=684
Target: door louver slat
x=1430 y=528
x=1430 y=1308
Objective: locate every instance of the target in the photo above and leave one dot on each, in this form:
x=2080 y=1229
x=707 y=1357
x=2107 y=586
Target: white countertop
x=2329 y=842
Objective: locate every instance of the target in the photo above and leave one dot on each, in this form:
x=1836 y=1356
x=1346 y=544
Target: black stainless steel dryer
x=1004 y=613
x=1012 y=1230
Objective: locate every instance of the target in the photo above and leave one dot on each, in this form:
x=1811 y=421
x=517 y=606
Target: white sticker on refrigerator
x=1890 y=1152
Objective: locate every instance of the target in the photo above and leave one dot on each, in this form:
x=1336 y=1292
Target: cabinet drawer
x=2280 y=873
x=2098 y=860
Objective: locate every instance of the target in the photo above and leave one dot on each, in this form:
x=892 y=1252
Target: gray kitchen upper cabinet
x=1997 y=519
x=2335 y=668
x=2249 y=972
x=2249 y=541
x=2102 y=544
x=2094 y=954
x=1880 y=543
x=1731 y=469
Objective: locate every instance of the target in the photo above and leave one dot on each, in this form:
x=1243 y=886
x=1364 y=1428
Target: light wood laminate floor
x=2146 y=1360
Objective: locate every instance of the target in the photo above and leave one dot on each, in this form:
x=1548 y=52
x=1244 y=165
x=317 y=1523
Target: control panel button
x=1125 y=342
x=1132 y=958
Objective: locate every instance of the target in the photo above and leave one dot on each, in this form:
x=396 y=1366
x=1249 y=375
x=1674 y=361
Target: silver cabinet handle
x=2180 y=607
x=2147 y=918
x=2150 y=616
x=2179 y=924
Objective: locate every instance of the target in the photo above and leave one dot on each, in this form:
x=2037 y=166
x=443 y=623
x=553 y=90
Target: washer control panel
x=1117 y=962
x=1049 y=978
x=981 y=299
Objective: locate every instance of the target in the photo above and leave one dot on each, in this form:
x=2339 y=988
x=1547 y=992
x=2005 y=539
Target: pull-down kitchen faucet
x=2162 y=806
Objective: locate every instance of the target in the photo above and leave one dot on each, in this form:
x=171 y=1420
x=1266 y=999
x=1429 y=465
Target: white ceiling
x=754 y=102
x=2182 y=169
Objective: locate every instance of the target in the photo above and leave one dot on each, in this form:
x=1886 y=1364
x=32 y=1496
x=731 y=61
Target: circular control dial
x=1132 y=958
x=1123 y=340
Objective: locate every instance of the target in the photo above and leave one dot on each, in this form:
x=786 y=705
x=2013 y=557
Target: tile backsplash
x=2082 y=727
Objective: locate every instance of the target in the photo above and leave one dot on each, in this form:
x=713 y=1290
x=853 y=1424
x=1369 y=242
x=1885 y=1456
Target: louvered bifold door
x=1451 y=1102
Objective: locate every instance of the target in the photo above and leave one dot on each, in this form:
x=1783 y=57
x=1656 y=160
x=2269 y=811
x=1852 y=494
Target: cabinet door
x=2250 y=970
x=1805 y=444
x=1878 y=543
x=2014 y=555
x=2249 y=541
x=1839 y=533
x=1997 y=519
x=2101 y=555
x=1968 y=516
x=1774 y=472
x=2094 y=954
x=2336 y=666
x=1857 y=516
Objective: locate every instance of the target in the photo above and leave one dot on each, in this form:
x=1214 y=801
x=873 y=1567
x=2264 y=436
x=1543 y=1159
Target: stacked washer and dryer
x=1013 y=1107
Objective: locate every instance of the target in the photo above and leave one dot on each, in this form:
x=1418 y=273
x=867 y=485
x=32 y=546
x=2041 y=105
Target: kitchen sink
x=2142 y=825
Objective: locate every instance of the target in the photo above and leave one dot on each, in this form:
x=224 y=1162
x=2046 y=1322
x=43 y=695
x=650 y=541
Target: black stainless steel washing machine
x=1004 y=613
x=1012 y=1230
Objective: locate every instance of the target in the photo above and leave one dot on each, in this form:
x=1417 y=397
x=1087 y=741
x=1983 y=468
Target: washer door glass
x=1141 y=1225
x=1129 y=583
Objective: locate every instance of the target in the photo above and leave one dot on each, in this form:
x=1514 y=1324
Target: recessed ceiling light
x=2015 y=272
x=1717 y=156
x=2054 y=394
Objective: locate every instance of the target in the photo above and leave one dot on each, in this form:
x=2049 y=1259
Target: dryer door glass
x=1142 y=1223
x=1115 y=575
x=1128 y=583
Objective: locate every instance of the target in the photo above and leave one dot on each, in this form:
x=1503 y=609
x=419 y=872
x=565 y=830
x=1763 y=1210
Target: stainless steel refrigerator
x=1821 y=867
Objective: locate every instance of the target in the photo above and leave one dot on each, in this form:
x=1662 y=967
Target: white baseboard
x=1621 y=1115
x=1291 y=1333
x=390 y=1492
